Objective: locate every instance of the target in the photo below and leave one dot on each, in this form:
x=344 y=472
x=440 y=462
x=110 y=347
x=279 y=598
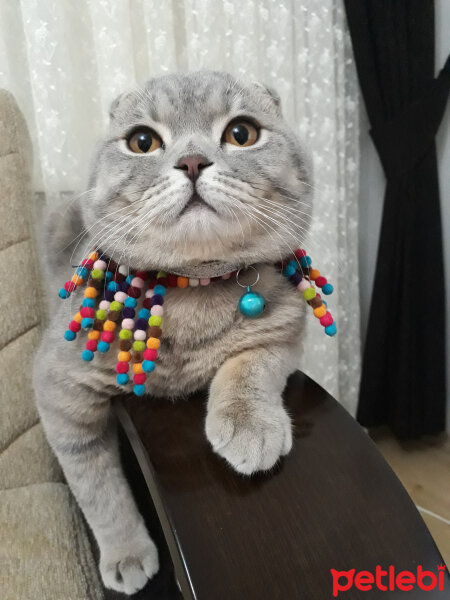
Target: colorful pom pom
x=87 y=323
x=155 y=320
x=309 y=294
x=87 y=355
x=303 y=285
x=125 y=334
x=157 y=299
x=120 y=297
x=139 y=390
x=289 y=270
x=89 y=302
x=107 y=336
x=150 y=354
x=331 y=329
x=127 y=324
x=327 y=289
x=326 y=320
x=148 y=366
x=70 y=287
x=130 y=302
x=320 y=311
x=115 y=305
x=74 y=326
x=159 y=289
x=97 y=274
x=153 y=343
x=70 y=335
x=122 y=378
x=157 y=311
x=141 y=324
x=305 y=262
x=296 y=278
x=103 y=346
x=137 y=282
x=100 y=265
x=128 y=313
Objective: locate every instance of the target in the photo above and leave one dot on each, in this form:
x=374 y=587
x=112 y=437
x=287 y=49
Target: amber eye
x=143 y=141
x=241 y=133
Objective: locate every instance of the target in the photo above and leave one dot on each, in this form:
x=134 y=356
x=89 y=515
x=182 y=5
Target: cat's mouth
x=195 y=202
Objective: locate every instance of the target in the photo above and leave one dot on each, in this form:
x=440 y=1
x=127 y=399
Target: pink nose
x=192 y=166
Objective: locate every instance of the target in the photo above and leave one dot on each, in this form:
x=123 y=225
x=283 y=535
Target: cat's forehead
x=193 y=100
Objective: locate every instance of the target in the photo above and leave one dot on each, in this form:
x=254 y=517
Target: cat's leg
x=246 y=422
x=82 y=432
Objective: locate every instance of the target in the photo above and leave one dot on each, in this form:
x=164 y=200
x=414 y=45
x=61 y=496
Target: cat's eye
x=143 y=141
x=241 y=133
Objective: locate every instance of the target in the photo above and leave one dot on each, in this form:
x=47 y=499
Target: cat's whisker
x=161 y=183
x=310 y=237
x=243 y=188
x=118 y=226
x=107 y=216
x=260 y=223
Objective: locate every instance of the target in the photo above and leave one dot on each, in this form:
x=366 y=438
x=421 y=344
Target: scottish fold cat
x=198 y=174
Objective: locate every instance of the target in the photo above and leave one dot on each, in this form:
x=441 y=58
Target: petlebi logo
x=388 y=580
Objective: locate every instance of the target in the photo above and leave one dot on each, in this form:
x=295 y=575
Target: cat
x=197 y=172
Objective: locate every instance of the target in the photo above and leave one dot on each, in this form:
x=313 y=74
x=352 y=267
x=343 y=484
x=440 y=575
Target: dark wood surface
x=332 y=503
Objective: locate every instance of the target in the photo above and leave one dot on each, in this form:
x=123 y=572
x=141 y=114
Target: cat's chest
x=194 y=317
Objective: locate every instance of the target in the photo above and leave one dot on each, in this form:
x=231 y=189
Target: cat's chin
x=195 y=204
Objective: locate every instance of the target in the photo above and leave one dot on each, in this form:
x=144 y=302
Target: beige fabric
x=46 y=554
x=44 y=548
x=17 y=410
x=29 y=460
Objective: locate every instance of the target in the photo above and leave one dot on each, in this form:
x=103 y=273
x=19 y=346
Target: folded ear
x=271 y=94
x=119 y=103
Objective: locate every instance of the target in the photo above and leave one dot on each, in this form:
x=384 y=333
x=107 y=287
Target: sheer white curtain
x=65 y=62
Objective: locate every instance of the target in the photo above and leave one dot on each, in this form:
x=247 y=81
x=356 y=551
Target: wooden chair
x=333 y=503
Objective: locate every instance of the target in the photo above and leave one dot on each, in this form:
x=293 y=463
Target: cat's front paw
x=128 y=566
x=250 y=438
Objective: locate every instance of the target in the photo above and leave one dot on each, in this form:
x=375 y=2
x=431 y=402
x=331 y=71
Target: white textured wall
x=372 y=190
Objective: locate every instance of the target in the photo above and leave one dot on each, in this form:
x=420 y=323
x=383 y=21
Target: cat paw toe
x=128 y=568
x=250 y=441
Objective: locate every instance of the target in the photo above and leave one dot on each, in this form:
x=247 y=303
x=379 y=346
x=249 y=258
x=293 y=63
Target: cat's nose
x=193 y=165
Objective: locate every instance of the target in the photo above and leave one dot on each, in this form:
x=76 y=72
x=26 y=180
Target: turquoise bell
x=252 y=304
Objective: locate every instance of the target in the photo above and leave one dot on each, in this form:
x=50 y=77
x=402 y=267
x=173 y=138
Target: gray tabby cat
x=194 y=168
